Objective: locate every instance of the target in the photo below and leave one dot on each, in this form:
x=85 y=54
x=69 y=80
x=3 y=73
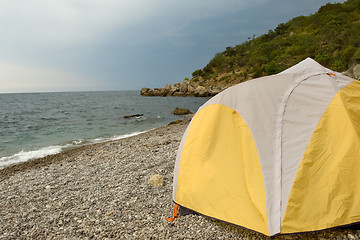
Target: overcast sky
x=86 y=45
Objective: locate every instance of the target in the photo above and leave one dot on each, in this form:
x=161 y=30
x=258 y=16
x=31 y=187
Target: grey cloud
x=130 y=44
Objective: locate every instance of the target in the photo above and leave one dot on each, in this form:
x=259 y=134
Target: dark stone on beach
x=175 y=122
x=181 y=111
x=135 y=115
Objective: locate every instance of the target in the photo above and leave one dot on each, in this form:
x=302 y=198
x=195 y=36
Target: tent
x=279 y=154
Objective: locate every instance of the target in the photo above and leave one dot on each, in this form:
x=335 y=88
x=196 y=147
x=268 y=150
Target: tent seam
x=277 y=218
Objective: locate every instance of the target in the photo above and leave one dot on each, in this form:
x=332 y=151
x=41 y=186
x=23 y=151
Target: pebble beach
x=102 y=191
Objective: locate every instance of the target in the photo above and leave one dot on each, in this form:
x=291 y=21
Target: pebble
x=350 y=236
x=156 y=180
x=101 y=192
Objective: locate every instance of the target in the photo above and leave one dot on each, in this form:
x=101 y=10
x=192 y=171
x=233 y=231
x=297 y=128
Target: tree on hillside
x=330 y=36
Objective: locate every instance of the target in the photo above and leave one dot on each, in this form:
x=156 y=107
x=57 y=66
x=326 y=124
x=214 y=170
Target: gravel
x=101 y=191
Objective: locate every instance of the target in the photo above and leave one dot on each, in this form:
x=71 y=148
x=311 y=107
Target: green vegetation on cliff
x=331 y=36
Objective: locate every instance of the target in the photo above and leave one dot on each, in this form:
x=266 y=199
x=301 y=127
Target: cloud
x=129 y=42
x=69 y=33
x=18 y=78
x=62 y=22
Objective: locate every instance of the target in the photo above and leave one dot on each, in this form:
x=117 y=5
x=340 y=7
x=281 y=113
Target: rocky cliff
x=330 y=36
x=210 y=88
x=186 y=88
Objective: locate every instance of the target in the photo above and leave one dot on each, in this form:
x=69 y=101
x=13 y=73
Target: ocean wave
x=128 y=135
x=24 y=156
x=116 y=137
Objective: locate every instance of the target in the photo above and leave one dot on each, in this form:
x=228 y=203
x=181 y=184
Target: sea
x=34 y=125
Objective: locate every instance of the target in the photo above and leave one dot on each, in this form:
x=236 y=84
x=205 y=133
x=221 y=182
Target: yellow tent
x=278 y=154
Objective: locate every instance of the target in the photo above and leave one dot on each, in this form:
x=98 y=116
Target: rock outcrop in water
x=134 y=115
x=194 y=89
x=186 y=88
x=181 y=111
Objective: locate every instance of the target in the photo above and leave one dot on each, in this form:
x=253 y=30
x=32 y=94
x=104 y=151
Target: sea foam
x=24 y=156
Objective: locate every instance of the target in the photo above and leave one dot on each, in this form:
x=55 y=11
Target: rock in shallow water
x=181 y=111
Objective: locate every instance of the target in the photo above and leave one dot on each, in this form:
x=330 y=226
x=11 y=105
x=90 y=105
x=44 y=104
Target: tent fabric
x=331 y=183
x=227 y=170
x=277 y=154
